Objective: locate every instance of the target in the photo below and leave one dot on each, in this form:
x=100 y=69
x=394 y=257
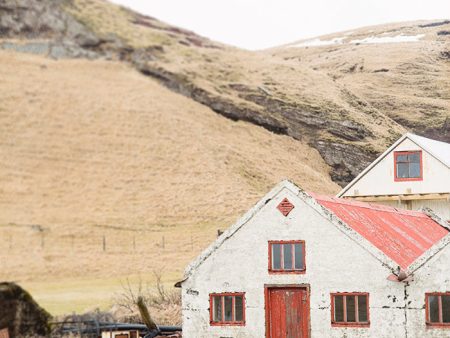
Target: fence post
x=163 y=242
x=134 y=243
x=104 y=243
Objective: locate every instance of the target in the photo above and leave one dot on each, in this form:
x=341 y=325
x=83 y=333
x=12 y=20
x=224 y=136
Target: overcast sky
x=258 y=24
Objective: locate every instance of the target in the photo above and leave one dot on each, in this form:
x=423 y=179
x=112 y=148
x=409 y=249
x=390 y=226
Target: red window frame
x=334 y=323
x=290 y=271
x=401 y=153
x=440 y=324
x=223 y=322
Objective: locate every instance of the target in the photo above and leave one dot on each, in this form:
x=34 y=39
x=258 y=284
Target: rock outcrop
x=20 y=314
x=49 y=29
x=300 y=122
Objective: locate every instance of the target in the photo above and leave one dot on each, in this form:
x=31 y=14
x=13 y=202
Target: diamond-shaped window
x=285 y=207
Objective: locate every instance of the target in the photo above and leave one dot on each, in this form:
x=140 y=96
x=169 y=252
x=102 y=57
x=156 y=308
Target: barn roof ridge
x=367 y=205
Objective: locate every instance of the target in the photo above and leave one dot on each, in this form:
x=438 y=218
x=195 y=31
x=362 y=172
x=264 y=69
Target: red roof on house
x=402 y=235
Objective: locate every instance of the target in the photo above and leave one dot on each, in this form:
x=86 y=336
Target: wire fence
x=111 y=241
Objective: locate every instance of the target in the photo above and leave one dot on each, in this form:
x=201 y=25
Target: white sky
x=258 y=24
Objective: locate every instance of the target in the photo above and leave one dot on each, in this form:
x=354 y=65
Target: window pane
x=433 y=308
x=276 y=256
x=402 y=158
x=239 y=308
x=228 y=308
x=414 y=170
x=445 y=309
x=287 y=253
x=362 y=308
x=402 y=170
x=338 y=308
x=217 y=309
x=299 y=256
x=414 y=158
x=351 y=310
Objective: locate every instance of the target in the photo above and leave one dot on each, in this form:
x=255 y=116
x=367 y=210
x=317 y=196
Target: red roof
x=402 y=235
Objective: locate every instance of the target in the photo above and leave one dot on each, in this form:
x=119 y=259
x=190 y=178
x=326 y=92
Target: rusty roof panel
x=402 y=235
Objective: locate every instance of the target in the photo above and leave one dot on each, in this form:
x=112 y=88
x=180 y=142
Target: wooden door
x=287 y=312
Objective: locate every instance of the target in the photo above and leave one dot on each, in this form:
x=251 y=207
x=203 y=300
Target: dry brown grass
x=164 y=304
x=109 y=18
x=408 y=82
x=92 y=148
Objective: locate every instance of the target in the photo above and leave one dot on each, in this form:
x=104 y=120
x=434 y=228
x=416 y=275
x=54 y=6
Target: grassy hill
x=94 y=148
x=126 y=143
x=339 y=99
x=402 y=70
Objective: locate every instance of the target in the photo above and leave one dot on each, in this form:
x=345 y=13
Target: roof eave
x=236 y=226
x=410 y=137
x=429 y=150
x=436 y=248
x=370 y=166
x=312 y=202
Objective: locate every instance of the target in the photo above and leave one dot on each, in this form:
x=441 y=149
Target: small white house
x=413 y=173
x=299 y=265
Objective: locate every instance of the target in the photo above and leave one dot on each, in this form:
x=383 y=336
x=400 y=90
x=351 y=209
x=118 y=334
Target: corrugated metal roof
x=402 y=235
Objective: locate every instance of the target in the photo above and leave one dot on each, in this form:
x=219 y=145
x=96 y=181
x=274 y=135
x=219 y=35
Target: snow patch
x=389 y=39
x=318 y=42
x=369 y=40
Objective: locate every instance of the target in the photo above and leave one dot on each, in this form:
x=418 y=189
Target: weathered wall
x=436 y=176
x=334 y=263
x=434 y=276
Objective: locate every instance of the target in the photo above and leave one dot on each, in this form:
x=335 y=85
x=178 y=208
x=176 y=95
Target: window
x=227 y=308
x=350 y=309
x=437 y=309
x=408 y=165
x=287 y=257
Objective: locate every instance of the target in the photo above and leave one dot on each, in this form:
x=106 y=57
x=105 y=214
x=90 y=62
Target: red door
x=287 y=312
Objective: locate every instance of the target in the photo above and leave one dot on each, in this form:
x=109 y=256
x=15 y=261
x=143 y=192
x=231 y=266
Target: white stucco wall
x=434 y=276
x=380 y=179
x=334 y=263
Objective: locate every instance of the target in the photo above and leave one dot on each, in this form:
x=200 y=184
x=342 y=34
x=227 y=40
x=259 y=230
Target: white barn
x=413 y=173
x=299 y=265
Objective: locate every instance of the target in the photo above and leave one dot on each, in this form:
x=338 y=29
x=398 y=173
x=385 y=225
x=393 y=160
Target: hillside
x=402 y=70
x=94 y=148
x=283 y=96
x=291 y=97
x=126 y=143
x=95 y=142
